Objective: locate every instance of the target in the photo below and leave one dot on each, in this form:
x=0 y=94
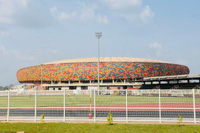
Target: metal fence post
x=35 y=105
x=194 y=105
x=160 y=115
x=126 y=105
x=94 y=105
x=64 y=105
x=90 y=101
x=8 y=109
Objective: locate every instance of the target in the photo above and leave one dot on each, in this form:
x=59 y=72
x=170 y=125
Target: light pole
x=41 y=76
x=98 y=35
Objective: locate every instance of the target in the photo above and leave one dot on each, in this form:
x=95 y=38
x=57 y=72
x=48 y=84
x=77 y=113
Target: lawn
x=82 y=100
x=96 y=128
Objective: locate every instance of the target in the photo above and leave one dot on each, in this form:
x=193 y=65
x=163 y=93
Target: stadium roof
x=185 y=76
x=106 y=59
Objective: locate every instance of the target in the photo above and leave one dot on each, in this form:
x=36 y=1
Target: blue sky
x=38 y=31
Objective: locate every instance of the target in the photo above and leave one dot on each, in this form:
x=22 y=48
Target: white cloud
x=20 y=56
x=122 y=4
x=4 y=33
x=28 y=55
x=23 y=2
x=61 y=16
x=146 y=14
x=24 y=13
x=86 y=13
x=156 y=45
x=7 y=10
x=157 y=48
x=14 y=54
x=3 y=50
x=103 y=19
x=54 y=11
x=131 y=10
x=53 y=51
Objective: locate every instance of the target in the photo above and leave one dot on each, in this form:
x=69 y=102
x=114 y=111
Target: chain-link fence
x=89 y=105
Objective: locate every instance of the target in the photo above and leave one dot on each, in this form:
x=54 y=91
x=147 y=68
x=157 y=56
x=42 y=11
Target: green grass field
x=95 y=128
x=84 y=100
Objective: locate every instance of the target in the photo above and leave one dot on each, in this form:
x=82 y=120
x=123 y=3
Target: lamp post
x=98 y=35
x=41 y=76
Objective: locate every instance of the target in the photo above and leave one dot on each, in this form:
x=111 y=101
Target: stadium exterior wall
x=85 y=71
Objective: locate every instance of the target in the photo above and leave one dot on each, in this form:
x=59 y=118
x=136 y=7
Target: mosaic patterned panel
x=108 y=70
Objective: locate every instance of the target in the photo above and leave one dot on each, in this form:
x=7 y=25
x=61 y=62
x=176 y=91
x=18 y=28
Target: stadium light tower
x=41 y=76
x=98 y=35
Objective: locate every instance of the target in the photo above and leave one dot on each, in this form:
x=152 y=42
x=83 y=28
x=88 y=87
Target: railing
x=89 y=105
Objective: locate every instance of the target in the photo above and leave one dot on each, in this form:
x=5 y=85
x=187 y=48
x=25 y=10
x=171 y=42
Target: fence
x=125 y=105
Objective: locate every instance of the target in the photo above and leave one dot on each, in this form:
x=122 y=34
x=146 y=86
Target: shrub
x=42 y=118
x=180 y=119
x=109 y=118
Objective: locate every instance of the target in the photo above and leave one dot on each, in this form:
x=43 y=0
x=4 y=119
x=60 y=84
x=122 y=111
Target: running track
x=168 y=110
x=132 y=107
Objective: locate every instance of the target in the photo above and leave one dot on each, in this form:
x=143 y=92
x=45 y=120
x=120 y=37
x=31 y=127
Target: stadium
x=132 y=89
x=81 y=74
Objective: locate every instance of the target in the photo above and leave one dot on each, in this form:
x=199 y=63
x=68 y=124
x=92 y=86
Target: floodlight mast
x=41 y=76
x=98 y=35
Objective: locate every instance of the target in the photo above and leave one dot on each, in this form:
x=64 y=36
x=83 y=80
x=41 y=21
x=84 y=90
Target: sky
x=33 y=32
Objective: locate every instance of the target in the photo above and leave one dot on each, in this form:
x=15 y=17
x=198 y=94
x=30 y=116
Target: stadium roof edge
x=106 y=59
x=172 y=77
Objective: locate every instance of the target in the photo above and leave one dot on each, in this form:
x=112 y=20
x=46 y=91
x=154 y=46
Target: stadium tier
x=85 y=69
